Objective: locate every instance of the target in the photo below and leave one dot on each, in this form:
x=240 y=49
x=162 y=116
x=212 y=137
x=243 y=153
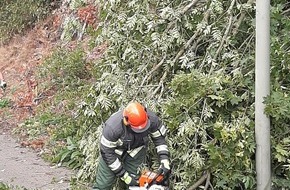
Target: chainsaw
x=151 y=181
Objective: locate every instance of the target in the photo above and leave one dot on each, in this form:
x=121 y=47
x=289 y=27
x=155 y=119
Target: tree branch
x=207 y=182
x=227 y=30
x=241 y=18
x=148 y=76
x=184 y=10
x=182 y=50
x=187 y=7
x=160 y=83
x=199 y=182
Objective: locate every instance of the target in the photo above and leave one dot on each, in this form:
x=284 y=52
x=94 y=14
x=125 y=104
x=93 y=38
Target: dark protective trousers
x=106 y=179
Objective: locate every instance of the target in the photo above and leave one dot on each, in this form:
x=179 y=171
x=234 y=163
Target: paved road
x=22 y=167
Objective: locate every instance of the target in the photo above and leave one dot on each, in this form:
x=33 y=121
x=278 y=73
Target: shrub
x=17 y=16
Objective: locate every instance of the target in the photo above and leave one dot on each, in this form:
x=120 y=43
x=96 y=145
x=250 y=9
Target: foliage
x=193 y=63
x=33 y=128
x=66 y=69
x=4 y=186
x=196 y=68
x=277 y=104
x=215 y=126
x=17 y=16
x=89 y=145
x=278 y=109
x=70 y=156
x=66 y=73
x=4 y=103
x=161 y=53
x=75 y=24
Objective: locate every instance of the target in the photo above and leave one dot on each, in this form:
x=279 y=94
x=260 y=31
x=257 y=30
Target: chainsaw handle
x=159 y=172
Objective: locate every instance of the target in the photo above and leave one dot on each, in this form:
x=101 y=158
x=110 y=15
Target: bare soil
x=20 y=163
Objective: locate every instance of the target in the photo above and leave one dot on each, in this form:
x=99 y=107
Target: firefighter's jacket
x=119 y=140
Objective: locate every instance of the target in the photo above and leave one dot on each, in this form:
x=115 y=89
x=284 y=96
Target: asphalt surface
x=21 y=167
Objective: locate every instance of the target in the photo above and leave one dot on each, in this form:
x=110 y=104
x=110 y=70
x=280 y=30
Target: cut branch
x=241 y=18
x=199 y=182
x=207 y=183
x=182 y=50
x=227 y=30
x=148 y=76
x=184 y=10
x=187 y=7
x=160 y=83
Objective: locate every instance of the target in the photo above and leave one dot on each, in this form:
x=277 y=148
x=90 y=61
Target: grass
x=4 y=103
x=17 y=16
x=4 y=186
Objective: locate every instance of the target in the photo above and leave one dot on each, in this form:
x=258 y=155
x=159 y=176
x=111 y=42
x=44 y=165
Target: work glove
x=164 y=168
x=129 y=179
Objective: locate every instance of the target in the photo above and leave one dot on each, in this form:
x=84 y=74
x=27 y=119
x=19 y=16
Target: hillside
x=18 y=62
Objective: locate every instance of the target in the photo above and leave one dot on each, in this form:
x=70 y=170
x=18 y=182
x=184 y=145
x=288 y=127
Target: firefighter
x=123 y=145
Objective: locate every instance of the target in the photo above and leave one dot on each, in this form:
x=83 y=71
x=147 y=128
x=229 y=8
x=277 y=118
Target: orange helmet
x=136 y=115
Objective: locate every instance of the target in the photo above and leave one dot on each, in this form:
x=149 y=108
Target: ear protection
x=127 y=121
x=126 y=118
